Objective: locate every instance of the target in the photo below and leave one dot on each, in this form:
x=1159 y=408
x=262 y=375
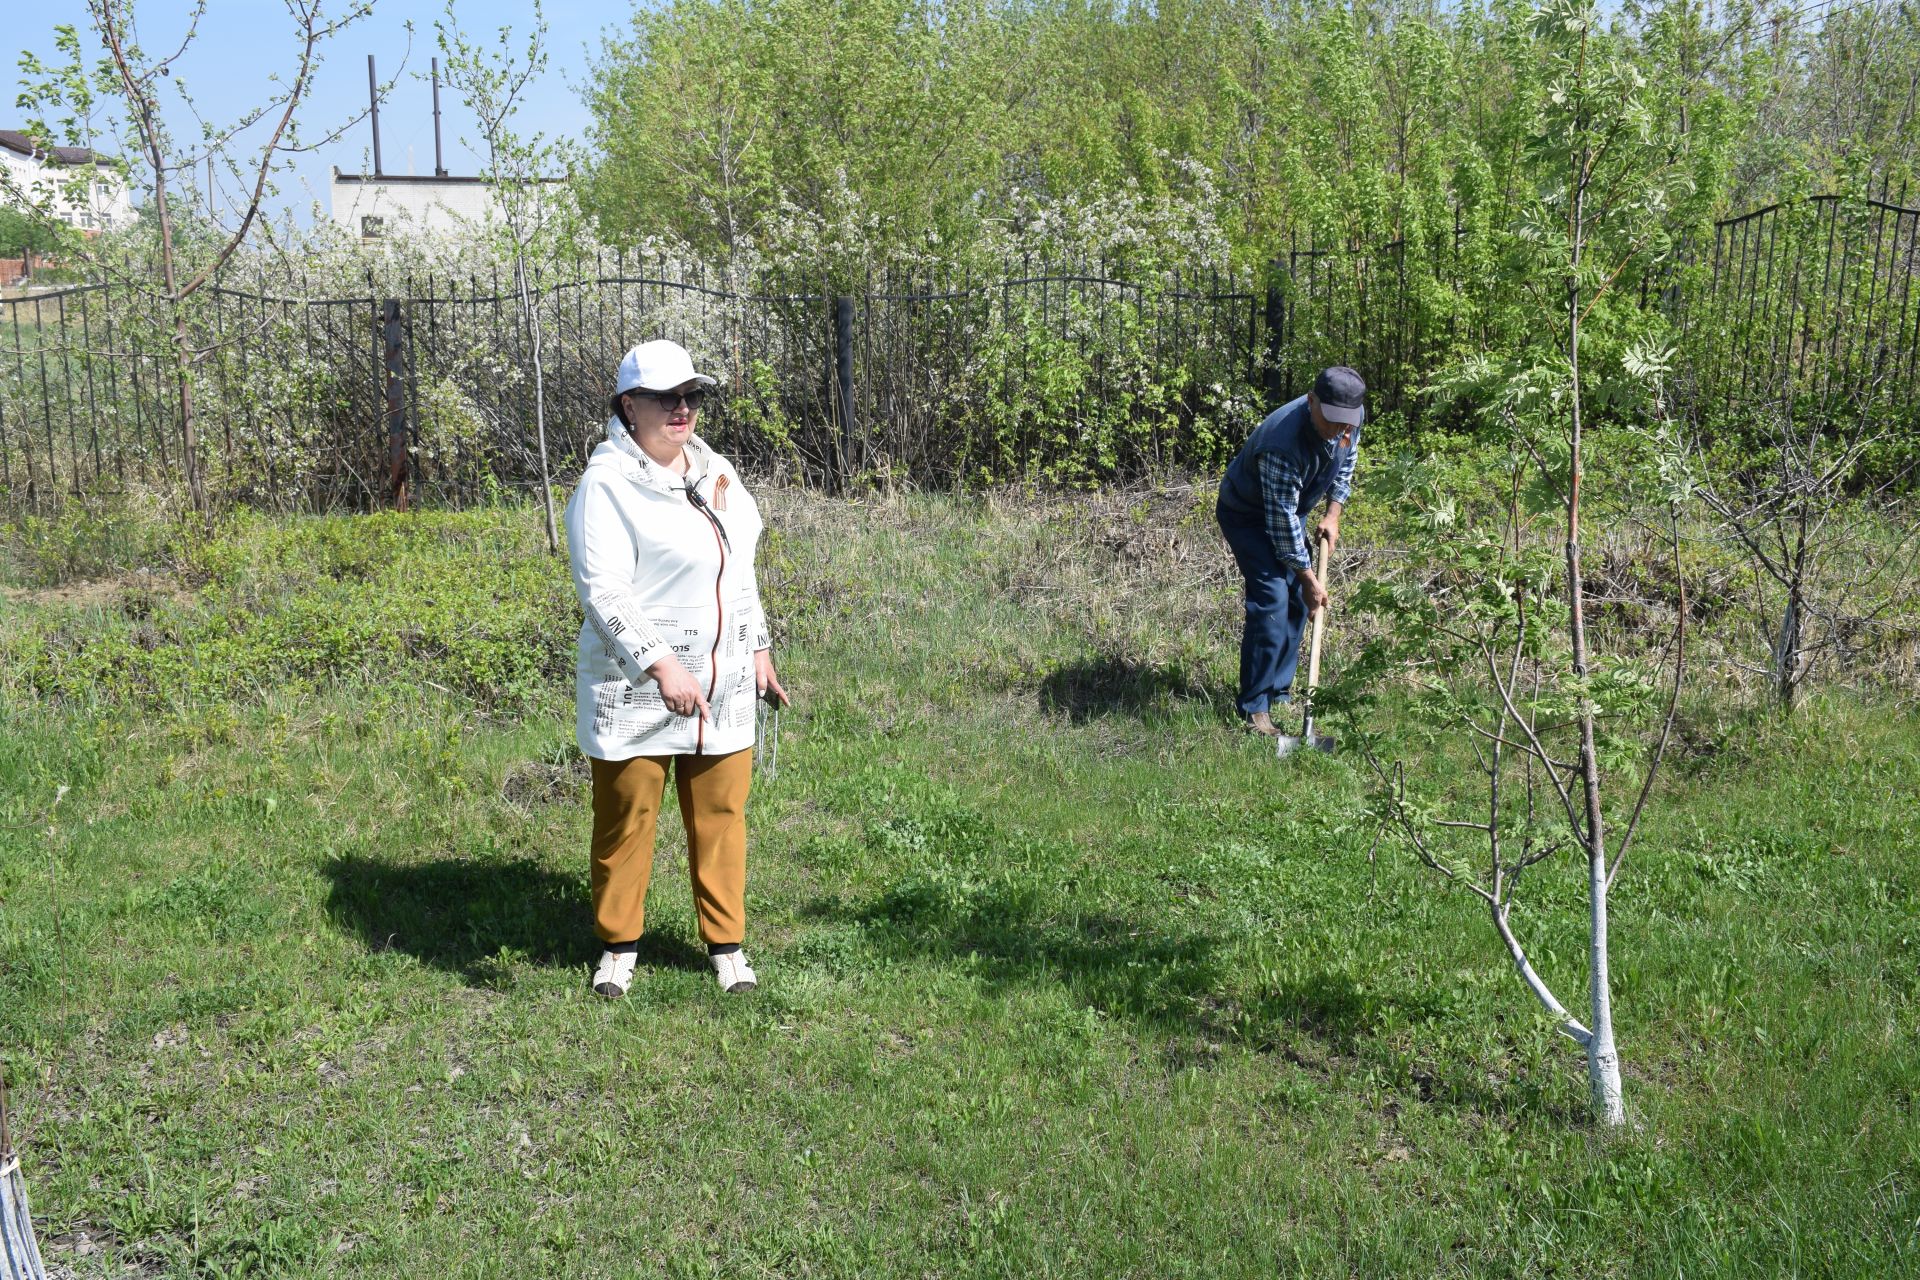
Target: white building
x=45 y=174
x=372 y=207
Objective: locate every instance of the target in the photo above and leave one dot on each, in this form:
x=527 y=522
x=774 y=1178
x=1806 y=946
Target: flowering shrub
x=1082 y=340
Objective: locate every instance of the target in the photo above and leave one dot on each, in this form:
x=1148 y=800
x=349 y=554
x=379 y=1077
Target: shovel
x=19 y=1254
x=766 y=735
x=1286 y=744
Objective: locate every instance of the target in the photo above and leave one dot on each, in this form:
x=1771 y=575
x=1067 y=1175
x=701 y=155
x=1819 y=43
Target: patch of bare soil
x=134 y=594
x=539 y=782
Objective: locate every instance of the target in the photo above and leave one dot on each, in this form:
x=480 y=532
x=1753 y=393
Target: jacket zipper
x=719 y=615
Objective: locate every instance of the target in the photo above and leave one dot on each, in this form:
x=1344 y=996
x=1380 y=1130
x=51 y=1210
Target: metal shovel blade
x=1288 y=743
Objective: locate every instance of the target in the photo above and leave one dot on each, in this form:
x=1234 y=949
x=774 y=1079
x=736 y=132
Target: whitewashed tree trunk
x=1603 y=1061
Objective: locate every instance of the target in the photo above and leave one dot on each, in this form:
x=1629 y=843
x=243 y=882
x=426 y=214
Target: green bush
x=89 y=537
x=468 y=602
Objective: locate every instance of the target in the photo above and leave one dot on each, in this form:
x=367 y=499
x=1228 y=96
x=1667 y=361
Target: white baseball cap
x=659 y=365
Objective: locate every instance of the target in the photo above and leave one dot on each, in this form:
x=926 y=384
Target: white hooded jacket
x=658 y=574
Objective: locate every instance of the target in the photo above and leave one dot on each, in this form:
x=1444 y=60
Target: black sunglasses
x=670 y=400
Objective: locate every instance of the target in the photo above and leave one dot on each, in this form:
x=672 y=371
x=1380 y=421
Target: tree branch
x=1536 y=748
x=1567 y=1024
x=1673 y=705
x=309 y=14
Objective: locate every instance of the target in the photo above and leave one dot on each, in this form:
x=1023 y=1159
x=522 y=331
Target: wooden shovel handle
x=6 y=1132
x=1319 y=620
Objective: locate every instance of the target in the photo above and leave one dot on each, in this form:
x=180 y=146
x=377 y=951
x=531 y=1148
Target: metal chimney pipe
x=439 y=169
x=373 y=98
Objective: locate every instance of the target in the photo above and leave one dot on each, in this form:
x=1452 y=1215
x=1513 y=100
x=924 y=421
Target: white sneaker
x=614 y=974
x=735 y=974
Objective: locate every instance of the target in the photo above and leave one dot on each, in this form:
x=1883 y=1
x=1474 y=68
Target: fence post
x=843 y=381
x=394 y=393
x=1272 y=378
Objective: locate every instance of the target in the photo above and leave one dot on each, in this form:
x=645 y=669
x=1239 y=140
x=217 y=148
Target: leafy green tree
x=22 y=234
x=1501 y=646
x=1844 y=99
x=1336 y=125
x=119 y=96
x=713 y=114
x=79 y=94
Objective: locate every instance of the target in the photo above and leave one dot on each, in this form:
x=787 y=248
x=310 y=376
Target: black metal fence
x=1810 y=304
x=90 y=400
x=1058 y=372
x=1063 y=373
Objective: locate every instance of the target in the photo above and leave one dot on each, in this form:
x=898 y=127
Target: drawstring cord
x=700 y=505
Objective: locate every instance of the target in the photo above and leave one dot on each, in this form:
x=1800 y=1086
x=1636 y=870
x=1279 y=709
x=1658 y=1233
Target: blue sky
x=242 y=43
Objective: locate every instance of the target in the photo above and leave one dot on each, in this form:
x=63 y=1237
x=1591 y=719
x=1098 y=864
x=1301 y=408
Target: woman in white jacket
x=673 y=653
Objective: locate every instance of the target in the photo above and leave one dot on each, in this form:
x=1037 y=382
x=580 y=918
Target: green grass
x=1061 y=977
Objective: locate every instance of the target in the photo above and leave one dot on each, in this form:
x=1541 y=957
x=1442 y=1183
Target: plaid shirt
x=1280 y=483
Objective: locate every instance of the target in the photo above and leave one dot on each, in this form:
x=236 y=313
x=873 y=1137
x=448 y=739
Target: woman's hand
x=679 y=689
x=765 y=679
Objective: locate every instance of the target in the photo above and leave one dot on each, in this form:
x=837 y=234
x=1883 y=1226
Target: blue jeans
x=1276 y=614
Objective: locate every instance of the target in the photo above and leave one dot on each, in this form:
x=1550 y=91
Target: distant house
x=372 y=207
x=47 y=172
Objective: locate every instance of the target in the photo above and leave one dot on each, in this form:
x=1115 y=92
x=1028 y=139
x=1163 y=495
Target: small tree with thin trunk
x=120 y=96
x=1496 y=631
x=537 y=218
x=1804 y=437
x=1827 y=564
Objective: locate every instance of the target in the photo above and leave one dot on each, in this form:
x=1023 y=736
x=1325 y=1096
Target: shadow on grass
x=1173 y=981
x=464 y=916
x=1102 y=686
x=1173 y=984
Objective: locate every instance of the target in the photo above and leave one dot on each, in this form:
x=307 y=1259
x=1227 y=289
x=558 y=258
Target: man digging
x=1302 y=452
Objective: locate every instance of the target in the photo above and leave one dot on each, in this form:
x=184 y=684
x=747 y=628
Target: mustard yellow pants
x=713 y=807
